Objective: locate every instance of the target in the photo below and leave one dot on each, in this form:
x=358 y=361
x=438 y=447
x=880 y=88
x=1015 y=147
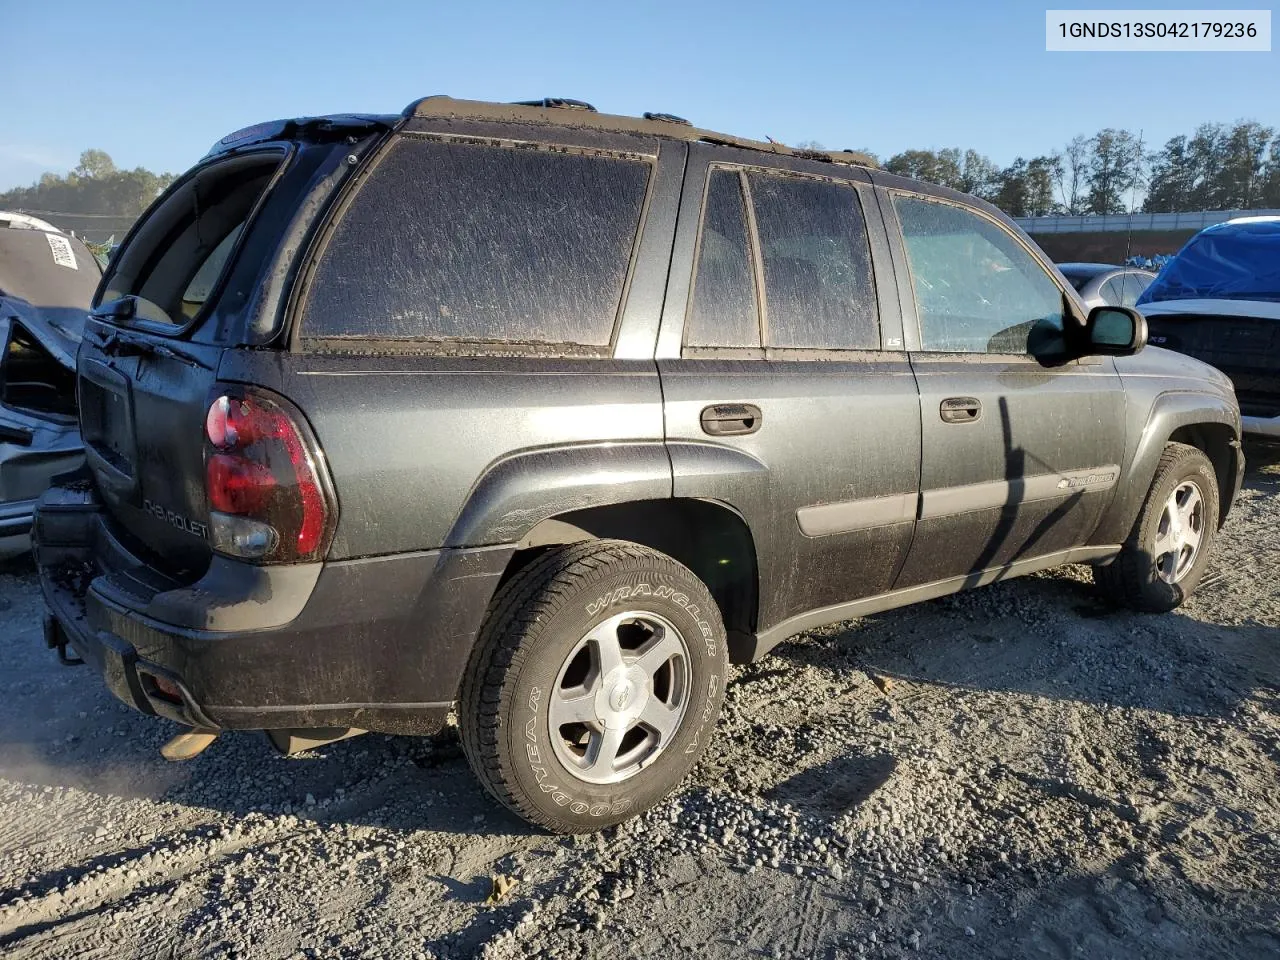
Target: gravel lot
x=1016 y=772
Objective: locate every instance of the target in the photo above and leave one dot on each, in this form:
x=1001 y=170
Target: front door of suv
x=787 y=393
x=1018 y=459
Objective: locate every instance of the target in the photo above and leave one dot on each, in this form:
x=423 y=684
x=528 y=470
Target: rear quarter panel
x=418 y=445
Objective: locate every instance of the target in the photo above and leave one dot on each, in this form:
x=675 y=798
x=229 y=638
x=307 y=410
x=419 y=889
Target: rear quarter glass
x=453 y=242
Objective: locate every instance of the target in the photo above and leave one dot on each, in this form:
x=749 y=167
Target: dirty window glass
x=458 y=241
x=723 y=312
x=977 y=289
x=818 y=289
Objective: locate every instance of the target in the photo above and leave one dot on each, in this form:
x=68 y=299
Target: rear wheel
x=595 y=685
x=1167 y=551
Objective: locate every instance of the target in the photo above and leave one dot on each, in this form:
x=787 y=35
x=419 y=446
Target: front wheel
x=595 y=685
x=1167 y=551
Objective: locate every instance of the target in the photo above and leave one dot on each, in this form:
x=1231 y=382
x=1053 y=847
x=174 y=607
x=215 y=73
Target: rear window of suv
x=464 y=243
x=177 y=258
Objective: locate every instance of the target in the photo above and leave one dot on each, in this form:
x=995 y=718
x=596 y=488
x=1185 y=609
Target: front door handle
x=960 y=410
x=731 y=419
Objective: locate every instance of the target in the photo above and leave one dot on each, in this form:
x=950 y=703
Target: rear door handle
x=731 y=419
x=960 y=410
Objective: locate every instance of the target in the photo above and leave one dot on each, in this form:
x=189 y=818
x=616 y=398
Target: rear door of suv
x=1019 y=459
x=788 y=394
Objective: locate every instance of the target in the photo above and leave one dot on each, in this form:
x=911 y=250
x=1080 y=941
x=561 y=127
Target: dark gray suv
x=550 y=416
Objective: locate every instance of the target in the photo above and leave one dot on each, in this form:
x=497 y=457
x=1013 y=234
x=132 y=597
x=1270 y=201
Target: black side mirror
x=1114 y=332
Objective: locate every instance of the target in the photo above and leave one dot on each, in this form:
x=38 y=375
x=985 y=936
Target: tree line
x=95 y=186
x=1218 y=167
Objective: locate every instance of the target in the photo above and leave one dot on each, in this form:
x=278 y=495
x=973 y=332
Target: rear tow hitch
x=189 y=744
x=55 y=639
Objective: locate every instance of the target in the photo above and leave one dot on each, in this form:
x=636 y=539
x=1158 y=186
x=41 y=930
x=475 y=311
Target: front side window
x=475 y=243
x=977 y=289
x=819 y=291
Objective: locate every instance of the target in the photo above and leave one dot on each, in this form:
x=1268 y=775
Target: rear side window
x=482 y=244
x=723 y=311
x=1132 y=287
x=1112 y=291
x=818 y=285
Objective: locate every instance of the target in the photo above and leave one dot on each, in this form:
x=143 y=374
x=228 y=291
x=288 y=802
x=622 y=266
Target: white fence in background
x=1126 y=222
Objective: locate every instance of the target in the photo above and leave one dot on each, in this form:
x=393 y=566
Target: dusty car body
x=47 y=280
x=551 y=414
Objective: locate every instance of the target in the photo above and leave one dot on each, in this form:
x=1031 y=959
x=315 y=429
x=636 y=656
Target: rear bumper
x=377 y=643
x=1261 y=426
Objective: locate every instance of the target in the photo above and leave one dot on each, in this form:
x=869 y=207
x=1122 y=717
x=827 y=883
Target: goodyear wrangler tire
x=595 y=685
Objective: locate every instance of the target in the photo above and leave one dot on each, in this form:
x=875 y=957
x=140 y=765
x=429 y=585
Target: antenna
x=1133 y=198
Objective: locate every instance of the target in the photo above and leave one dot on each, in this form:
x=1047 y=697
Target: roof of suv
x=574 y=113
x=550 y=111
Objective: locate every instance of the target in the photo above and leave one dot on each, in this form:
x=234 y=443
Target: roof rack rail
x=557 y=103
x=666 y=118
x=549 y=111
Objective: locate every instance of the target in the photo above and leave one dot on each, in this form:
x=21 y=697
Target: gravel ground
x=1015 y=772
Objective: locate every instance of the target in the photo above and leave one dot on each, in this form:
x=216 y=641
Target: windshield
x=1239 y=263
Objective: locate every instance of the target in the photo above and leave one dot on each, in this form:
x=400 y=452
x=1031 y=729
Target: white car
x=21 y=221
x=47 y=279
x=1105 y=284
x=1219 y=300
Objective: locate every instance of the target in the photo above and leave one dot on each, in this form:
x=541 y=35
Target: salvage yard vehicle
x=551 y=415
x=1218 y=300
x=47 y=281
x=1105 y=283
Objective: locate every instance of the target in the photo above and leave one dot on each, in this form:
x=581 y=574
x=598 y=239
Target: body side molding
x=948 y=501
x=823 y=519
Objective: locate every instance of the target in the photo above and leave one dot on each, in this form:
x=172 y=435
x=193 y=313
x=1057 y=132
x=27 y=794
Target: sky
x=156 y=83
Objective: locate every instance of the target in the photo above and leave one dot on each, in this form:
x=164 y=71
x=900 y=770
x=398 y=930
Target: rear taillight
x=269 y=497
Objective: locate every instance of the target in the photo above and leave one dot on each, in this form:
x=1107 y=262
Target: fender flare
x=519 y=491
x=1169 y=412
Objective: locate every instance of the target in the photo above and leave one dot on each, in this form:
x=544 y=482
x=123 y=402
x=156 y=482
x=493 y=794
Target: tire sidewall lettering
x=540 y=762
x=632 y=592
